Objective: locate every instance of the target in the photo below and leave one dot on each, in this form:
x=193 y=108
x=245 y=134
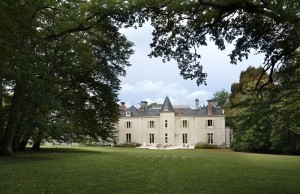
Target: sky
x=152 y=80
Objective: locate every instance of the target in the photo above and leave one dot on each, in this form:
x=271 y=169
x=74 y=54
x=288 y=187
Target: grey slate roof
x=178 y=111
x=167 y=106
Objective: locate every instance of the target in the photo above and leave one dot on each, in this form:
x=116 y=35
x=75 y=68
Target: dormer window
x=128 y=114
x=166 y=108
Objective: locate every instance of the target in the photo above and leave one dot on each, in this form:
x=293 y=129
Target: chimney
x=144 y=105
x=122 y=106
x=197 y=103
x=209 y=107
x=180 y=111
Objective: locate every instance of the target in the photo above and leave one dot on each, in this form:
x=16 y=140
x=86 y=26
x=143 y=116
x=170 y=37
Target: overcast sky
x=152 y=80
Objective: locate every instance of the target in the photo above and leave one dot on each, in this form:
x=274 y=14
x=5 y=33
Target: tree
x=220 y=98
x=181 y=26
x=266 y=122
x=60 y=57
x=154 y=104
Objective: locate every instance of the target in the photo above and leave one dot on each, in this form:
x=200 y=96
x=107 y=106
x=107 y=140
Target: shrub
x=133 y=144
x=205 y=146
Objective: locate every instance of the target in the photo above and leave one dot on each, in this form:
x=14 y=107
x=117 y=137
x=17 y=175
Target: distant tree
x=220 y=98
x=268 y=121
x=154 y=104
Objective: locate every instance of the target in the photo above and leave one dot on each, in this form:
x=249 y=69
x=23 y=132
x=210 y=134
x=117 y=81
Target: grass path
x=129 y=170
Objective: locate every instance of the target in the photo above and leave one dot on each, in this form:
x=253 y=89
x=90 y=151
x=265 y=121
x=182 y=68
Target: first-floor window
x=166 y=138
x=128 y=124
x=185 y=123
x=209 y=123
x=150 y=124
x=151 y=136
x=166 y=123
x=128 y=137
x=184 y=138
x=210 y=138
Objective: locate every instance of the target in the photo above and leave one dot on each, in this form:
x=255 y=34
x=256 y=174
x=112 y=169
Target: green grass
x=131 y=170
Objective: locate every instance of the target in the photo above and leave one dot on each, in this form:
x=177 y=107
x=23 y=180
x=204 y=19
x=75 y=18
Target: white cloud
x=156 y=91
x=152 y=80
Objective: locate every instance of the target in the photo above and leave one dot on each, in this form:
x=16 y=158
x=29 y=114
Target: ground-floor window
x=166 y=138
x=184 y=138
x=210 y=138
x=128 y=137
x=151 y=136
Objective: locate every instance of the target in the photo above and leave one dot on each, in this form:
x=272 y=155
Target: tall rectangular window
x=166 y=138
x=151 y=124
x=166 y=123
x=184 y=138
x=128 y=138
x=210 y=138
x=185 y=123
x=128 y=124
x=151 y=137
x=209 y=123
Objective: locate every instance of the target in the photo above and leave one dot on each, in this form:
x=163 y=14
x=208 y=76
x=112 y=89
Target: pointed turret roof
x=167 y=106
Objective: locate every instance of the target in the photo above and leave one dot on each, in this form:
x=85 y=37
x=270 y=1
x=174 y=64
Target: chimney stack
x=122 y=106
x=209 y=107
x=197 y=103
x=144 y=105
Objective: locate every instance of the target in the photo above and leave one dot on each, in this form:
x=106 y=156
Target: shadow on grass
x=44 y=154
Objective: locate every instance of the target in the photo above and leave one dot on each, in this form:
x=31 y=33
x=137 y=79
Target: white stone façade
x=173 y=126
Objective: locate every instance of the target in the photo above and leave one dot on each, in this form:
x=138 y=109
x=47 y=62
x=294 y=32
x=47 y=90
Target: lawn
x=132 y=170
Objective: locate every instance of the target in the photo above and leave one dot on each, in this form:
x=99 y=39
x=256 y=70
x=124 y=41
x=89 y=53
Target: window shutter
x=187 y=123
x=181 y=123
x=148 y=124
x=206 y=123
x=125 y=125
x=154 y=124
x=213 y=123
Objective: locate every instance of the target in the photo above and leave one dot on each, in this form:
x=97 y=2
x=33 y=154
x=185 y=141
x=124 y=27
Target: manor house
x=166 y=125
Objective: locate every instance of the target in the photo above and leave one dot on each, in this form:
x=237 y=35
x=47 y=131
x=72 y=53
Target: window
x=166 y=138
x=166 y=123
x=210 y=138
x=185 y=123
x=209 y=123
x=128 y=124
x=166 y=108
x=184 y=138
x=128 y=114
x=128 y=138
x=151 y=136
x=150 y=124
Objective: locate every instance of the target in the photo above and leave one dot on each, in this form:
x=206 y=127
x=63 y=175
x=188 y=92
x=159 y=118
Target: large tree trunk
x=24 y=141
x=18 y=134
x=37 y=141
x=13 y=118
x=1 y=112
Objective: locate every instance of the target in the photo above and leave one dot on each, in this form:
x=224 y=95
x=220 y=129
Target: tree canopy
x=181 y=27
x=220 y=98
x=268 y=122
x=61 y=64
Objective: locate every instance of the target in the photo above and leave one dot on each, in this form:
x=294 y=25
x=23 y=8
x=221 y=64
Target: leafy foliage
x=62 y=62
x=181 y=26
x=220 y=98
x=266 y=122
